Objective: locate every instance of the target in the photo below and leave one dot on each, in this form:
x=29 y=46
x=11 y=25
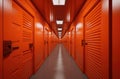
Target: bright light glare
x=58 y=2
x=79 y=26
x=69 y=33
x=59 y=21
x=62 y=2
x=51 y=16
x=50 y=32
x=116 y=4
x=0 y=3
x=39 y=25
x=59 y=74
x=68 y=16
x=59 y=29
x=55 y=2
x=59 y=32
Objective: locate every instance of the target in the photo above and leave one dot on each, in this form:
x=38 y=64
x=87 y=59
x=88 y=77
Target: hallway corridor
x=59 y=65
x=59 y=39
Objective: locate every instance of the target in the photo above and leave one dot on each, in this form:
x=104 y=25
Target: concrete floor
x=59 y=65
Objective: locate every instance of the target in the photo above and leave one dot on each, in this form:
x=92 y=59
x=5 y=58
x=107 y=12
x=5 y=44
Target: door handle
x=31 y=46
x=83 y=43
x=7 y=47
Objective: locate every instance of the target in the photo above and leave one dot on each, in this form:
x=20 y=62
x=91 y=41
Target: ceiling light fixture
x=58 y=2
x=59 y=32
x=59 y=29
x=59 y=21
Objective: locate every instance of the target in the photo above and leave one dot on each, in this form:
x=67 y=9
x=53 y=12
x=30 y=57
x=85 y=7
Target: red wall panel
x=116 y=39
x=73 y=43
x=46 y=44
x=79 y=47
x=38 y=34
x=105 y=37
x=1 y=54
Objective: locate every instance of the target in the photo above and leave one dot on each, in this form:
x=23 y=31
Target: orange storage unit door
x=94 y=61
x=79 y=47
x=73 y=43
x=18 y=41
x=27 y=43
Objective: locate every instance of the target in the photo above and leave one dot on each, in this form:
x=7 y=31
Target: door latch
x=7 y=48
x=83 y=43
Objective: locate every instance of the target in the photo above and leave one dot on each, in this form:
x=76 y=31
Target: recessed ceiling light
x=59 y=32
x=58 y=2
x=59 y=29
x=59 y=21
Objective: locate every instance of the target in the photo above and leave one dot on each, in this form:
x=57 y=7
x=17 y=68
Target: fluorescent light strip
x=62 y=2
x=58 y=2
x=59 y=21
x=59 y=29
x=59 y=32
x=55 y=2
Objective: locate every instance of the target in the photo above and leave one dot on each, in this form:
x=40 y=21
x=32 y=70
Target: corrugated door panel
x=93 y=53
x=27 y=33
x=27 y=44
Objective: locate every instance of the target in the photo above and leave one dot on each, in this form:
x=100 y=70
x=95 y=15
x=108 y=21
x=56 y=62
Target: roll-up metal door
x=18 y=42
x=93 y=49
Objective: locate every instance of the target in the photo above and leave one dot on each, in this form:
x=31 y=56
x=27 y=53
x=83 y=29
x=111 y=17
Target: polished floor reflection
x=59 y=65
